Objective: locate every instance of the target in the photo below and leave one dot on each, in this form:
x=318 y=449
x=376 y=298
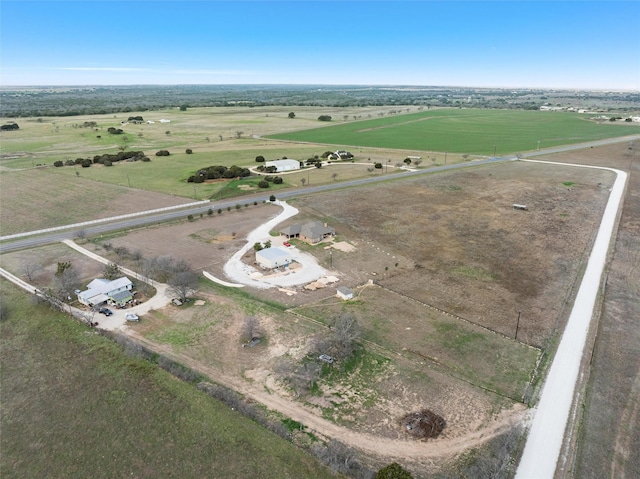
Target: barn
x=284 y=165
x=271 y=258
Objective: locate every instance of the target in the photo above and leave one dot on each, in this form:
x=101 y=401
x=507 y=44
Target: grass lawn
x=480 y=132
x=73 y=405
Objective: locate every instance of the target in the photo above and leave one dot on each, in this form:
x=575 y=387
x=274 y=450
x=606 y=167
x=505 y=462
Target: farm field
x=75 y=194
x=479 y=132
x=82 y=408
x=37 y=199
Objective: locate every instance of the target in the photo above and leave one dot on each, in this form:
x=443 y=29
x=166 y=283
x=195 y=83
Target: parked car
x=326 y=358
x=105 y=311
x=131 y=317
x=286 y=243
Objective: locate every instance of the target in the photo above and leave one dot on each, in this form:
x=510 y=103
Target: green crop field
x=482 y=132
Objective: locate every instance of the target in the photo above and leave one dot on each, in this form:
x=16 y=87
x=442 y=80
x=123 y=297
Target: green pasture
x=74 y=405
x=482 y=132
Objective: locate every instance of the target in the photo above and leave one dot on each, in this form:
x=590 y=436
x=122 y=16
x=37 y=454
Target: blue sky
x=539 y=44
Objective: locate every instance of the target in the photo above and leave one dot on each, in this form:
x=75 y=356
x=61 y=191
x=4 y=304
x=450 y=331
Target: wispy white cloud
x=211 y=72
x=104 y=69
x=166 y=71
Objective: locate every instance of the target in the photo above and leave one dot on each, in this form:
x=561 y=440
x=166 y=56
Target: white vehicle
x=132 y=317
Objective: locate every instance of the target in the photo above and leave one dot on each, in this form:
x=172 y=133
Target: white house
x=271 y=258
x=102 y=290
x=283 y=165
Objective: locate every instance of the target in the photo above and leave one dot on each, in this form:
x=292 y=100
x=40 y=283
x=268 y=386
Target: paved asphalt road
x=48 y=238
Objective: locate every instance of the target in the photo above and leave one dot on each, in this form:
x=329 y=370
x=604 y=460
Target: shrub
x=146 y=158
x=9 y=127
x=272 y=198
x=260 y=159
x=107 y=163
x=263 y=184
x=86 y=163
x=69 y=163
x=58 y=163
x=277 y=180
x=324 y=118
x=188 y=151
x=162 y=153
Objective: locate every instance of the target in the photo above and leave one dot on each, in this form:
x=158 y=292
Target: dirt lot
x=459 y=245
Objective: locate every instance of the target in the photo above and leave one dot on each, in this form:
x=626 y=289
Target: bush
x=324 y=118
x=263 y=184
x=107 y=163
x=272 y=198
x=277 y=180
x=162 y=153
x=58 y=163
x=393 y=471
x=188 y=151
x=86 y=163
x=259 y=158
x=9 y=127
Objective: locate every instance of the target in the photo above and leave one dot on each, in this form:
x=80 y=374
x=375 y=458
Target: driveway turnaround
x=542 y=450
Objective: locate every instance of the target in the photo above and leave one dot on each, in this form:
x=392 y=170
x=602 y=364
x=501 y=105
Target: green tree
x=393 y=471
x=292 y=115
x=112 y=271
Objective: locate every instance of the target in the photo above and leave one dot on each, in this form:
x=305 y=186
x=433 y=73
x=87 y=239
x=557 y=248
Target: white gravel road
x=542 y=450
x=242 y=273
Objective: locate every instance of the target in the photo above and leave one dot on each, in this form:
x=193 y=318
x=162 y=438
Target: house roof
x=344 y=290
x=273 y=253
x=315 y=229
x=98 y=289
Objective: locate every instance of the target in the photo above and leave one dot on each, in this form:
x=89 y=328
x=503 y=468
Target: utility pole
x=517 y=326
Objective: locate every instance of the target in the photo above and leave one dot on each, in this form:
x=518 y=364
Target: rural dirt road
x=388 y=449
x=546 y=435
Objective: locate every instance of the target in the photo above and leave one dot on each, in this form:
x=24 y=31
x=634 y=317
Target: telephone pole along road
x=542 y=450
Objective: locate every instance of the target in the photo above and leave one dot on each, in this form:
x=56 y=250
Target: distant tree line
x=74 y=101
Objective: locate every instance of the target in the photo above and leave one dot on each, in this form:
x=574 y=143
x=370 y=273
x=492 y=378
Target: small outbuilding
x=271 y=258
x=344 y=293
x=283 y=165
